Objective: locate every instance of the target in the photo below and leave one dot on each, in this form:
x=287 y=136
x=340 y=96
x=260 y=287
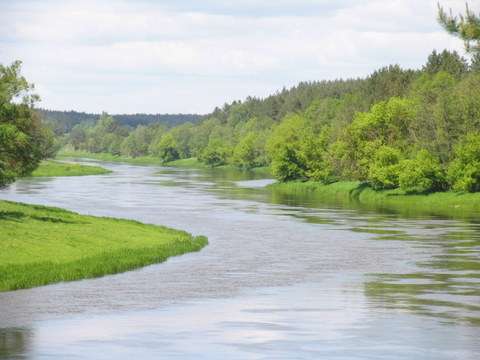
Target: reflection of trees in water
x=447 y=286
x=14 y=343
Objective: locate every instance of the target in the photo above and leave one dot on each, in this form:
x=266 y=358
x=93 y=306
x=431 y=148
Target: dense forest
x=63 y=121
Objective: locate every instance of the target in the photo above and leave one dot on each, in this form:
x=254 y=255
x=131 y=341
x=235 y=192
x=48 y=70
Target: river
x=282 y=277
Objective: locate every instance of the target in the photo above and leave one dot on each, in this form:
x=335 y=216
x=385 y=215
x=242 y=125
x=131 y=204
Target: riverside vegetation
x=43 y=245
x=48 y=168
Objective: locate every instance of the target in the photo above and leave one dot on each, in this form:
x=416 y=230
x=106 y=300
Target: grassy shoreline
x=190 y=163
x=141 y=160
x=43 y=245
x=49 y=168
x=441 y=203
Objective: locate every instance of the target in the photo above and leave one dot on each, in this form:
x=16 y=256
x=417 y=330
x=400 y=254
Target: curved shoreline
x=44 y=245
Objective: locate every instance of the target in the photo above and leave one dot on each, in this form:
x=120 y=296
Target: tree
x=447 y=61
x=465 y=26
x=23 y=140
x=385 y=170
x=422 y=174
x=245 y=153
x=464 y=170
x=166 y=148
x=215 y=154
x=283 y=147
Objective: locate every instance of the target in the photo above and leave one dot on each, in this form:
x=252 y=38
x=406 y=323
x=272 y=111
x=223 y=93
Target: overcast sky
x=171 y=56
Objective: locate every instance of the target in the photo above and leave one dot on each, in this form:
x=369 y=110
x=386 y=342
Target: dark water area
x=283 y=277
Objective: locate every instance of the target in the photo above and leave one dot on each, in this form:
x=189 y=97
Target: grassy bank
x=446 y=203
x=56 y=168
x=141 y=160
x=42 y=245
x=190 y=163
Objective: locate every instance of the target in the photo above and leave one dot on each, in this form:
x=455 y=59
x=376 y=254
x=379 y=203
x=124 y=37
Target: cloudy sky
x=170 y=56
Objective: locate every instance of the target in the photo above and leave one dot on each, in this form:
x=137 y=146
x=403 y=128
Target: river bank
x=192 y=163
x=43 y=245
x=441 y=203
x=49 y=168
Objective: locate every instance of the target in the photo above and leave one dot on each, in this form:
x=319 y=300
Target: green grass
x=42 y=245
x=141 y=160
x=56 y=168
x=190 y=163
x=441 y=203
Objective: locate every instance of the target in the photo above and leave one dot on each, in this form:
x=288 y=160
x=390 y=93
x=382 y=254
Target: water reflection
x=447 y=283
x=14 y=343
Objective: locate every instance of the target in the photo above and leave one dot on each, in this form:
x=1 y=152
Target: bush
x=166 y=149
x=245 y=154
x=422 y=174
x=384 y=172
x=464 y=170
x=215 y=154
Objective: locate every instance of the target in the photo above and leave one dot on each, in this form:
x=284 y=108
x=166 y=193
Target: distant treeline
x=63 y=121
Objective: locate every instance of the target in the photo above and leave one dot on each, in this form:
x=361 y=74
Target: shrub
x=215 y=154
x=288 y=164
x=384 y=171
x=464 y=170
x=422 y=174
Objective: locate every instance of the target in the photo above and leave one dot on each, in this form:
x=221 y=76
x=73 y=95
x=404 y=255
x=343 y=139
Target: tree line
x=412 y=129
x=62 y=122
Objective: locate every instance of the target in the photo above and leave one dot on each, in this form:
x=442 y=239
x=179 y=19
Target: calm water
x=283 y=277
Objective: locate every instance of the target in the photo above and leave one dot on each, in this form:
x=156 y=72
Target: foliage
x=423 y=174
x=464 y=170
x=63 y=122
x=465 y=26
x=23 y=139
x=215 y=154
x=446 y=61
x=385 y=171
x=166 y=148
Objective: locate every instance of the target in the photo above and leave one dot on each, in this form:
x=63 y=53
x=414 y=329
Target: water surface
x=283 y=277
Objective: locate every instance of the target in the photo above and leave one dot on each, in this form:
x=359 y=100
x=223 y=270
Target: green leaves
x=465 y=26
x=422 y=174
x=23 y=141
x=464 y=170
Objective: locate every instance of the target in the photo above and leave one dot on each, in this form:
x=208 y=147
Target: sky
x=188 y=56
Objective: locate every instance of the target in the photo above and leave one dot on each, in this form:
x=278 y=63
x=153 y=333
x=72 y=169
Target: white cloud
x=179 y=56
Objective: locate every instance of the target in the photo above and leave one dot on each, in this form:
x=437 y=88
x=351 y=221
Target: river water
x=283 y=277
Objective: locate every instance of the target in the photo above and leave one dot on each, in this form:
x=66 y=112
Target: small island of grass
x=49 y=168
x=43 y=245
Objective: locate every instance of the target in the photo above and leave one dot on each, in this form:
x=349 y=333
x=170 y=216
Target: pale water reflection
x=283 y=277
